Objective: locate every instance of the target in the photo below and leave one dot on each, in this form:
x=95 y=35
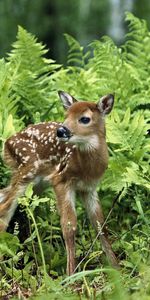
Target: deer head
x=84 y=120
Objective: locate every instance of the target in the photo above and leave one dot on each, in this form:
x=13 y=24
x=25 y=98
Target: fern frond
x=3 y=72
x=32 y=85
x=30 y=54
x=106 y=58
x=136 y=44
x=8 y=101
x=128 y=134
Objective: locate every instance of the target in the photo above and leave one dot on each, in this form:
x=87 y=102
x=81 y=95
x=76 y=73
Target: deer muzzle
x=63 y=133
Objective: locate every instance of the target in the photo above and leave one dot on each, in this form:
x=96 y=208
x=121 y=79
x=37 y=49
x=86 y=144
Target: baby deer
x=72 y=156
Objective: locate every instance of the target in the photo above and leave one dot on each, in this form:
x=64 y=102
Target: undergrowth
x=33 y=263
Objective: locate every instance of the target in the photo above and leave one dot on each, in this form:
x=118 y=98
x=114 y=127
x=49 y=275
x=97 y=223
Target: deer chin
x=85 y=143
x=64 y=139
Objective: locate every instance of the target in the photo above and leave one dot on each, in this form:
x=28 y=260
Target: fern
x=135 y=45
x=137 y=56
x=7 y=77
x=33 y=83
x=30 y=54
x=130 y=148
x=75 y=52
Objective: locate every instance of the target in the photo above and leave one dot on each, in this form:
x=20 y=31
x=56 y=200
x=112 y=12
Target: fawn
x=72 y=156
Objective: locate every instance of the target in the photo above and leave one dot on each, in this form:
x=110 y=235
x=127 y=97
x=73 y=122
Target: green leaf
x=29 y=191
x=9 y=128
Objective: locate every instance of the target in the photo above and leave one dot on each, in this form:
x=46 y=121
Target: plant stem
x=39 y=242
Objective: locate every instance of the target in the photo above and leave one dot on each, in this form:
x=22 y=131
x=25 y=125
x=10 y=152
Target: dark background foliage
x=84 y=19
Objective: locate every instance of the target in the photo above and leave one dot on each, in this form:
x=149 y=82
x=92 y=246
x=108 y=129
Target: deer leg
x=96 y=216
x=66 y=207
x=9 y=195
x=8 y=204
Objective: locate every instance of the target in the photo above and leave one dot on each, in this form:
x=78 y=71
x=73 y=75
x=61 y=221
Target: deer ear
x=66 y=99
x=105 y=104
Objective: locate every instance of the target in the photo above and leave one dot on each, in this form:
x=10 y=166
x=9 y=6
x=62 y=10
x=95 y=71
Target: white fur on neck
x=84 y=143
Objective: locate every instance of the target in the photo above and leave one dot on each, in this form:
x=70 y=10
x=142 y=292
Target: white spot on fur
x=25 y=159
x=30 y=175
x=33 y=150
x=36 y=164
x=16 y=151
x=68 y=150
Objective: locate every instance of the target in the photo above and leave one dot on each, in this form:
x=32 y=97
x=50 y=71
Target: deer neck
x=93 y=159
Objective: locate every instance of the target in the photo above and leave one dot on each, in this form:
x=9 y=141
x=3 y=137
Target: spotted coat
x=38 y=147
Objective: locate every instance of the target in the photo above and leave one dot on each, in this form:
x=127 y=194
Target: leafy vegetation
x=33 y=262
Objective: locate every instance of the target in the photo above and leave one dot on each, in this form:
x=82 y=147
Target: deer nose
x=63 y=132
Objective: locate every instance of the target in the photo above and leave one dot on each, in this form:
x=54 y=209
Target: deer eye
x=84 y=120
